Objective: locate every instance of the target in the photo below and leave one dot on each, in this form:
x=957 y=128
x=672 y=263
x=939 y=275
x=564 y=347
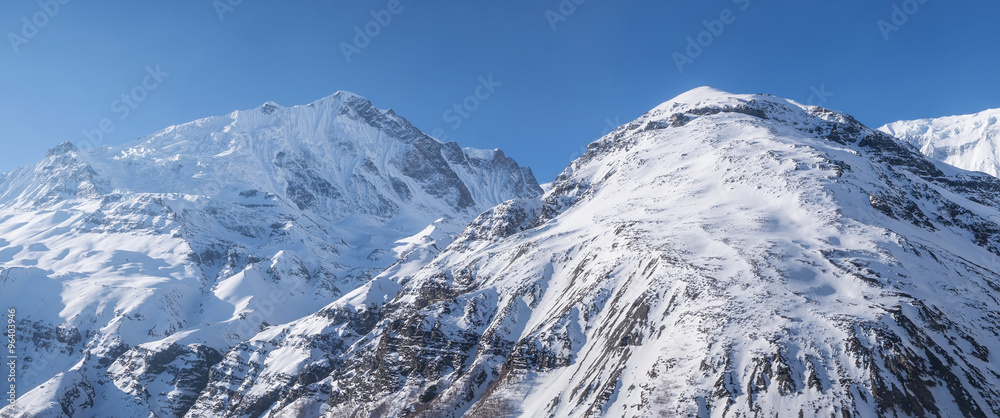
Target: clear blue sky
x=606 y=61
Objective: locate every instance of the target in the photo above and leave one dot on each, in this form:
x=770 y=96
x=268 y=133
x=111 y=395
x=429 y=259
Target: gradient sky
x=565 y=76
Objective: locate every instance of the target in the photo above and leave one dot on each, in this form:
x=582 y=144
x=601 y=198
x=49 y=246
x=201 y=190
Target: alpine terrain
x=971 y=142
x=134 y=269
x=722 y=255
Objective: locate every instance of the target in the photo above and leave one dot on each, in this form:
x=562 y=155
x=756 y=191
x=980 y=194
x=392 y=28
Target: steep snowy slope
x=971 y=142
x=722 y=255
x=134 y=268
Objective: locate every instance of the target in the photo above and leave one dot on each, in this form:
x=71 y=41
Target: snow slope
x=722 y=255
x=971 y=142
x=134 y=268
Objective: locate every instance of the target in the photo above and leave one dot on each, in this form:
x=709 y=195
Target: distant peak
x=342 y=99
x=62 y=148
x=335 y=102
x=346 y=95
x=269 y=107
x=988 y=117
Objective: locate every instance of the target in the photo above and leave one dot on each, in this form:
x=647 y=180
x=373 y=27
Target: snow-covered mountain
x=133 y=269
x=971 y=142
x=722 y=255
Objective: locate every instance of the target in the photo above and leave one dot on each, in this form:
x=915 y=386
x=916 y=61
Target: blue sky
x=562 y=72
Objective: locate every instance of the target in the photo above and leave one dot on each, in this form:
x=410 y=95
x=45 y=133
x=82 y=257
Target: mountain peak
x=695 y=97
x=970 y=142
x=347 y=95
x=269 y=107
x=342 y=98
x=709 y=100
x=311 y=122
x=701 y=94
x=337 y=101
x=62 y=148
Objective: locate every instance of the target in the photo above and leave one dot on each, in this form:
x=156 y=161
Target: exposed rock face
x=135 y=268
x=723 y=255
x=168 y=378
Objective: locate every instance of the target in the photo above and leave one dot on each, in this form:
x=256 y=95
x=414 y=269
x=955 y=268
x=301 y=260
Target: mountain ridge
x=179 y=245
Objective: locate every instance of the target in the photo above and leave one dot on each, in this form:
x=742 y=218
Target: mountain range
x=722 y=255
